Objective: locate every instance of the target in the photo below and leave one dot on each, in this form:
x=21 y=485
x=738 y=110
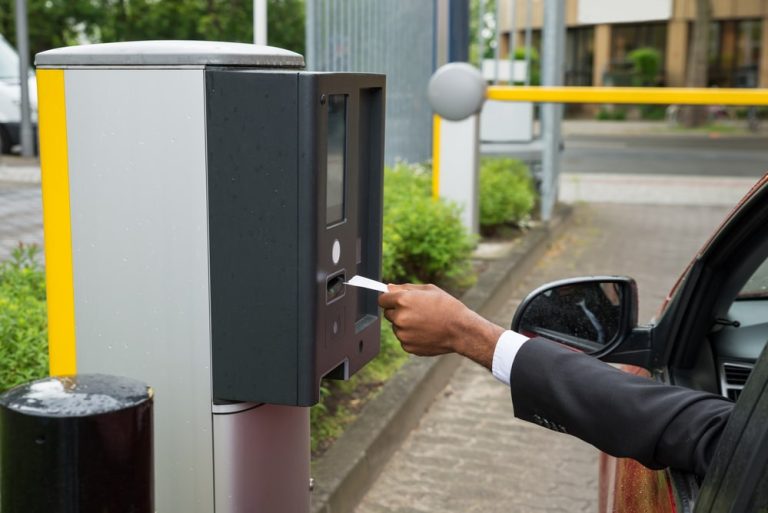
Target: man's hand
x=428 y=321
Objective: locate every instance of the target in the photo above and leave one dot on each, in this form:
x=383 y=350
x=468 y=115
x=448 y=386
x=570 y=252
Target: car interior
x=734 y=313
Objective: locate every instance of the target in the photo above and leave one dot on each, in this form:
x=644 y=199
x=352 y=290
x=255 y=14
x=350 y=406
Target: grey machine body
x=219 y=197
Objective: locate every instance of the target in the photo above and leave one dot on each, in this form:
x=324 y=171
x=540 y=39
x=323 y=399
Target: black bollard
x=77 y=444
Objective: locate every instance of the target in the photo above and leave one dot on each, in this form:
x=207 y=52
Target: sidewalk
x=660 y=128
x=469 y=453
x=19 y=169
x=21 y=218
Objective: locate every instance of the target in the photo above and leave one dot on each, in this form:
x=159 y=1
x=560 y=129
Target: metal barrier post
x=457 y=164
x=552 y=113
x=77 y=444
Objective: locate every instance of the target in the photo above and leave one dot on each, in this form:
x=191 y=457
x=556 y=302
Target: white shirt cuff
x=507 y=346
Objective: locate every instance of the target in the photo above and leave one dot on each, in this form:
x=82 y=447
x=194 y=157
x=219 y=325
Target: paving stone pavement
x=21 y=218
x=469 y=453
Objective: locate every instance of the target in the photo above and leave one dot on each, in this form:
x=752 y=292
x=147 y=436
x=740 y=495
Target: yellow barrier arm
x=631 y=95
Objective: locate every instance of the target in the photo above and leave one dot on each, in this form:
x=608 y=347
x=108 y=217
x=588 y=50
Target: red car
x=709 y=335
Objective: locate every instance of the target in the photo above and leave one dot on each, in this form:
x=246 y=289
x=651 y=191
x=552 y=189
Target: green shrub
x=23 y=321
x=535 y=64
x=646 y=64
x=424 y=240
x=506 y=192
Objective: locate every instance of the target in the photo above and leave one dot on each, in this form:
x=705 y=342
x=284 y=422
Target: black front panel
x=295 y=184
x=347 y=323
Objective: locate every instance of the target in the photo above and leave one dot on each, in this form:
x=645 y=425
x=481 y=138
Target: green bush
x=535 y=64
x=23 y=320
x=424 y=240
x=646 y=64
x=507 y=194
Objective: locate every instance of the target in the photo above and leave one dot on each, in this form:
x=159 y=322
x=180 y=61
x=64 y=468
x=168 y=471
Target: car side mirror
x=590 y=314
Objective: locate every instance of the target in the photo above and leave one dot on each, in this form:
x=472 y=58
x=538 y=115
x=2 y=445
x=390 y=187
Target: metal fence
x=394 y=37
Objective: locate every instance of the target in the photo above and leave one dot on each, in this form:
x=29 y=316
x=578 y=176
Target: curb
x=350 y=467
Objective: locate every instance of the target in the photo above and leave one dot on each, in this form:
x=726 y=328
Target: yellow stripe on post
x=57 y=225
x=436 y=156
x=630 y=95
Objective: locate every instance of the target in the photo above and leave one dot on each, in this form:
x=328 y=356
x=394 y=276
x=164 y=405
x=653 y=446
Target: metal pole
x=496 y=50
x=458 y=31
x=327 y=35
x=512 y=30
x=260 y=22
x=22 y=44
x=480 y=38
x=309 y=30
x=528 y=40
x=551 y=113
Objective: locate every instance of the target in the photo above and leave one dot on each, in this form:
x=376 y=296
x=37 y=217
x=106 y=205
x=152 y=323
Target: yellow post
x=56 y=221
x=436 y=156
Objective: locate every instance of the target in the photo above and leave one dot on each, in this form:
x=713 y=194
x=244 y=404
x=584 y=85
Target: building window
x=627 y=37
x=734 y=53
x=579 y=56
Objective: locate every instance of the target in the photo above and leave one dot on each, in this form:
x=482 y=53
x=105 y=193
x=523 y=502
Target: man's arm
x=619 y=413
x=428 y=321
x=551 y=385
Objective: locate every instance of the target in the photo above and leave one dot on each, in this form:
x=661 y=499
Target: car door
x=708 y=337
x=707 y=326
x=737 y=481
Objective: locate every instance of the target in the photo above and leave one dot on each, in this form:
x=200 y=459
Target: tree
x=696 y=73
x=52 y=23
x=55 y=23
x=286 y=21
x=485 y=27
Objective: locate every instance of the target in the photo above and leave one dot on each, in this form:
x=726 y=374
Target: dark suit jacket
x=619 y=413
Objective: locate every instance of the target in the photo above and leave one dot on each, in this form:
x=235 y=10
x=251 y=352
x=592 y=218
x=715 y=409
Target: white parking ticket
x=367 y=283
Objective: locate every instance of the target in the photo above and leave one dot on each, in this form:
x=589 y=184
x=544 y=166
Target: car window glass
x=757 y=285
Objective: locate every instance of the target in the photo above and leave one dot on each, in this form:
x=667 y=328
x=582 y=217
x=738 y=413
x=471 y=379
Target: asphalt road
x=697 y=155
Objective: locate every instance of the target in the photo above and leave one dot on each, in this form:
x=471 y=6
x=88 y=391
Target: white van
x=10 y=97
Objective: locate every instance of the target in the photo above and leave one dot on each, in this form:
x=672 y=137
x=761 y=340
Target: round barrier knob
x=77 y=444
x=456 y=91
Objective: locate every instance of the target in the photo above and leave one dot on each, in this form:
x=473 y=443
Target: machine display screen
x=336 y=155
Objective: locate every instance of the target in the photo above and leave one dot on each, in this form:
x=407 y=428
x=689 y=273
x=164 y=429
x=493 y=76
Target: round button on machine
x=336 y=252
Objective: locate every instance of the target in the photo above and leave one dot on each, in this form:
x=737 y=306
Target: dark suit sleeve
x=619 y=413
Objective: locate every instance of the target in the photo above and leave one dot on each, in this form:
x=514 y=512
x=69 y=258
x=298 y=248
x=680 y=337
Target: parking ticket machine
x=204 y=205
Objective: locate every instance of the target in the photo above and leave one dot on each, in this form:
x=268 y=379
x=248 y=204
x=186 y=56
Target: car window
x=757 y=285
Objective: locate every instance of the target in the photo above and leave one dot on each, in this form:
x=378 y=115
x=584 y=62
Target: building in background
x=601 y=34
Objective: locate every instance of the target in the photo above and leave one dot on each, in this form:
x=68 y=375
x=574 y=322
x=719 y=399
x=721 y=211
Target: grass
x=23 y=319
